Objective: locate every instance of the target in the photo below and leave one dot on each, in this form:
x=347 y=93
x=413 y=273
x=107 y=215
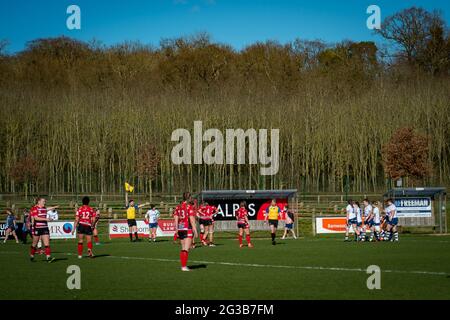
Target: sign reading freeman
x=235 y=139
x=413 y=207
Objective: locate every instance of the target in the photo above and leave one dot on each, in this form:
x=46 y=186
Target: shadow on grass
x=101 y=256
x=198 y=266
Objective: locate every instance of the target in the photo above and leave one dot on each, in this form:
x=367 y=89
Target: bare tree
x=411 y=30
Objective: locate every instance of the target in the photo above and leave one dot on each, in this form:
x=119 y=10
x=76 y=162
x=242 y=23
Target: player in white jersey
x=351 y=220
x=376 y=221
x=359 y=221
x=152 y=217
x=367 y=218
x=391 y=212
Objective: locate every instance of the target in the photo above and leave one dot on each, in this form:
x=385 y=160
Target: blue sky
x=235 y=22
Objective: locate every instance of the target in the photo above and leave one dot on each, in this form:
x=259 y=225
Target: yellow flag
x=128 y=187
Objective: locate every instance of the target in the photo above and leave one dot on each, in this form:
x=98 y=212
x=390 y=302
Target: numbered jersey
x=184 y=211
x=85 y=214
x=41 y=213
x=203 y=212
x=207 y=212
x=241 y=215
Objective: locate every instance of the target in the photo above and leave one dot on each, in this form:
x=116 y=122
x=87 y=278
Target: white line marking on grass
x=255 y=265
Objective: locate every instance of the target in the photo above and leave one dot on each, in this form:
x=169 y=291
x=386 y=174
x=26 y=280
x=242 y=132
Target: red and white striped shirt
x=37 y=211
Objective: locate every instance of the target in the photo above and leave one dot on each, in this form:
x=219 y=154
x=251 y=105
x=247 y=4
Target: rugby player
x=205 y=215
x=367 y=218
x=39 y=221
x=94 y=227
x=273 y=214
x=289 y=223
x=184 y=216
x=351 y=220
x=152 y=217
x=375 y=225
x=84 y=220
x=243 y=225
x=359 y=221
x=209 y=231
x=391 y=228
x=10 y=226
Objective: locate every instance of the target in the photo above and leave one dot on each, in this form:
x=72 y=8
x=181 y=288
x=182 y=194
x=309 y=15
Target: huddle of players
x=86 y=220
x=383 y=227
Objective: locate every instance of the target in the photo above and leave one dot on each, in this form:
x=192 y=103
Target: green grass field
x=418 y=267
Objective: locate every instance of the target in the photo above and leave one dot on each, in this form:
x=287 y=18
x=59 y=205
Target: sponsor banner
x=256 y=208
x=413 y=207
x=61 y=230
x=119 y=228
x=2 y=230
x=332 y=225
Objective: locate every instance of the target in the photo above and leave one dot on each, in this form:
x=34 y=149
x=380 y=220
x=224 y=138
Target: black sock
x=131 y=236
x=273 y=236
x=136 y=235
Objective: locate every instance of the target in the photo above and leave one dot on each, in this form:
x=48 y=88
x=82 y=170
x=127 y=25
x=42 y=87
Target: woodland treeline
x=85 y=117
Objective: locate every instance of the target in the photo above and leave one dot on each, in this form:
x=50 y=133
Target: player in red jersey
x=94 y=227
x=203 y=214
x=184 y=216
x=243 y=225
x=211 y=212
x=84 y=220
x=39 y=221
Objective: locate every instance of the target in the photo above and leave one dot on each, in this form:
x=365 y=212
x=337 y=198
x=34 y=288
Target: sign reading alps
x=413 y=207
x=256 y=208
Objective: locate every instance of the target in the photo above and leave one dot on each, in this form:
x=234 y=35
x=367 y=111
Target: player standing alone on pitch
x=10 y=226
x=289 y=223
x=391 y=215
x=152 y=217
x=243 y=225
x=184 y=216
x=273 y=214
x=39 y=220
x=84 y=220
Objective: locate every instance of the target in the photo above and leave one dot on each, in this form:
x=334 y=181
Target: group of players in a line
x=381 y=222
x=185 y=219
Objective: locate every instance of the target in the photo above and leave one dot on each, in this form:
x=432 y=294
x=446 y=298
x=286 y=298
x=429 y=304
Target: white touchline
x=255 y=265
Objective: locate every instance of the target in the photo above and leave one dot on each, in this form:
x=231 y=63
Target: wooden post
x=314 y=221
x=298 y=221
